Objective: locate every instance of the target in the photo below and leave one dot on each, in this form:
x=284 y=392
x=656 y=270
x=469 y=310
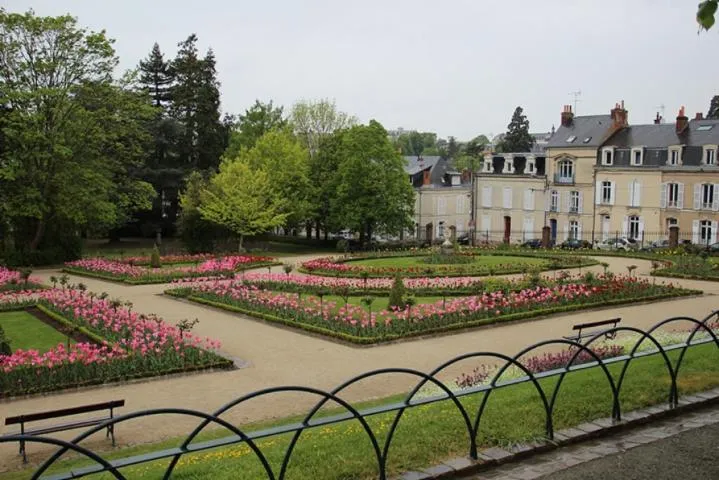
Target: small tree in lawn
x=368 y=300
x=25 y=276
x=410 y=302
x=64 y=279
x=185 y=325
x=364 y=275
x=242 y=200
x=155 y=261
x=605 y=266
x=288 y=267
x=53 y=280
x=396 y=294
x=322 y=293
x=630 y=269
x=344 y=292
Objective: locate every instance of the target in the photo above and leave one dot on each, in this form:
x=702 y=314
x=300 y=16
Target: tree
x=313 y=120
x=517 y=138
x=713 y=112
x=258 y=120
x=196 y=105
x=323 y=176
x=706 y=14
x=372 y=190
x=240 y=199
x=156 y=77
x=286 y=162
x=452 y=147
x=198 y=235
x=71 y=134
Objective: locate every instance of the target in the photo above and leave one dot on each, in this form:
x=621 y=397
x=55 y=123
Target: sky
x=455 y=67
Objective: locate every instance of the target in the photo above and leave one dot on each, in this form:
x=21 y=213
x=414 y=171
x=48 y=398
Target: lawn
x=378 y=303
x=418 y=261
x=26 y=332
x=430 y=433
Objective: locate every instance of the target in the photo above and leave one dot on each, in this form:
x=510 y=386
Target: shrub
x=396 y=294
x=5 y=348
x=155 y=258
x=343 y=245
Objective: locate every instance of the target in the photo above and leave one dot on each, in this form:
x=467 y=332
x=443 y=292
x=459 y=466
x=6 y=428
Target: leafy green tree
x=315 y=119
x=470 y=155
x=396 y=294
x=706 y=14
x=198 y=235
x=71 y=134
x=241 y=199
x=517 y=138
x=452 y=147
x=286 y=162
x=323 y=176
x=372 y=193
x=258 y=120
x=713 y=112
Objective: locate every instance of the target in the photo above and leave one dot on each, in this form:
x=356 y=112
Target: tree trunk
x=362 y=236
x=326 y=233
x=317 y=230
x=240 y=249
x=39 y=233
x=308 y=230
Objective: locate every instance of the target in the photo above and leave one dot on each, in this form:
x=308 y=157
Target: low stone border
x=493 y=457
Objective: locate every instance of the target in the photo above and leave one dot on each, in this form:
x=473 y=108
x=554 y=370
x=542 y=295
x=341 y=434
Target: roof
x=663 y=135
x=417 y=164
x=585 y=131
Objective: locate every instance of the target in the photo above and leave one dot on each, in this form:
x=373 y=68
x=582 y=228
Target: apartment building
x=442 y=200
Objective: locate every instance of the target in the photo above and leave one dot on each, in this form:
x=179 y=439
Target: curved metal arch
x=584 y=347
x=660 y=349
x=327 y=396
x=509 y=361
x=67 y=446
x=382 y=458
x=159 y=411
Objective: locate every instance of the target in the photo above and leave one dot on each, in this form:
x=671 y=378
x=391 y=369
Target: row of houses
x=593 y=178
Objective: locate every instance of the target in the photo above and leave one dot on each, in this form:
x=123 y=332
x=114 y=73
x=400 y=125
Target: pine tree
x=713 y=112
x=517 y=138
x=156 y=77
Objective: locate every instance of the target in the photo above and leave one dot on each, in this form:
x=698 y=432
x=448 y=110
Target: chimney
x=425 y=178
x=699 y=116
x=682 y=121
x=658 y=119
x=567 y=116
x=619 y=115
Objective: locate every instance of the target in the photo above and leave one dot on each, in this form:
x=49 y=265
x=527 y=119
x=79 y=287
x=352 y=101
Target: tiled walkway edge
x=493 y=457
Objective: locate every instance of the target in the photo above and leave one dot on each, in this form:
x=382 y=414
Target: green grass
x=379 y=303
x=418 y=261
x=26 y=331
x=430 y=433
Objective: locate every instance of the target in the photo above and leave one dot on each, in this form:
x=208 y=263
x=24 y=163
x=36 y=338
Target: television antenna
x=576 y=96
x=661 y=109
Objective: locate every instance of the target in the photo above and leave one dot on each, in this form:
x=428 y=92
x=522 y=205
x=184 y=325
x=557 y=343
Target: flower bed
x=357 y=325
x=137 y=275
x=691 y=267
x=15 y=281
x=124 y=345
x=343 y=267
x=169 y=259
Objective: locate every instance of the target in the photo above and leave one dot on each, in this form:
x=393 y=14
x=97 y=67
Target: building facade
x=442 y=200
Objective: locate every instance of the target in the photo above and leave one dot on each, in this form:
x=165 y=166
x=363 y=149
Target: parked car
x=533 y=243
x=714 y=247
x=617 y=243
x=463 y=239
x=574 y=244
x=656 y=245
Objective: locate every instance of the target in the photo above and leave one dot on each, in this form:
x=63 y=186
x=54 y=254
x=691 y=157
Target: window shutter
x=531 y=197
x=695 y=231
x=697 y=196
x=487 y=196
x=641 y=228
x=637 y=199
x=567 y=201
x=559 y=201
x=526 y=199
x=715 y=203
x=581 y=202
x=566 y=230
x=625 y=226
x=680 y=200
x=579 y=230
x=598 y=193
x=663 y=196
x=507 y=200
x=631 y=193
x=613 y=192
x=486 y=223
x=715 y=224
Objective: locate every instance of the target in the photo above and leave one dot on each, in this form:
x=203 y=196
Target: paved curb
x=493 y=457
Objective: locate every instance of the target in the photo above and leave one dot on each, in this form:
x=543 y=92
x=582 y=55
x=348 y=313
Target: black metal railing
x=381 y=449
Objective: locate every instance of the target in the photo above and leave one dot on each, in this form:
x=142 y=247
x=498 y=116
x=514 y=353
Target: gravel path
x=276 y=356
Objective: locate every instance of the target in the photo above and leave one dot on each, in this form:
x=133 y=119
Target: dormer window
x=710 y=155
x=637 y=156
x=608 y=156
x=456 y=180
x=674 y=157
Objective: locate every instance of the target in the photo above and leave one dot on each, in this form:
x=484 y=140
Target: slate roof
x=664 y=135
x=591 y=127
x=415 y=165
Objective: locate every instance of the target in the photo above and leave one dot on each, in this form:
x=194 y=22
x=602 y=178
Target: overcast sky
x=456 y=67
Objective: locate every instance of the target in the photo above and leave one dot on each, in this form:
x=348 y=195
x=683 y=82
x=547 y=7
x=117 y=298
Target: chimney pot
x=619 y=115
x=567 y=116
x=682 y=121
x=658 y=119
x=699 y=116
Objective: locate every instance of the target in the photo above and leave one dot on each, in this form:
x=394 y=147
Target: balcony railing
x=564 y=179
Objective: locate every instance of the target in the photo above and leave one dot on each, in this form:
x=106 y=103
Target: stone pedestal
x=447 y=248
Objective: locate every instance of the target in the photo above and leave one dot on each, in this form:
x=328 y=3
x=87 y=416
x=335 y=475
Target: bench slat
x=602 y=323
x=65 y=426
x=64 y=412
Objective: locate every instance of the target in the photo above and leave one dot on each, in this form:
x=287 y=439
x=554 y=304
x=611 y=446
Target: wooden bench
x=595 y=329
x=65 y=412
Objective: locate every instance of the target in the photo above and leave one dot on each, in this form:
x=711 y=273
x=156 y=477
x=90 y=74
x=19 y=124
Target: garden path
x=276 y=356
